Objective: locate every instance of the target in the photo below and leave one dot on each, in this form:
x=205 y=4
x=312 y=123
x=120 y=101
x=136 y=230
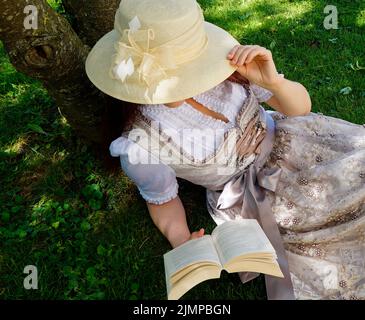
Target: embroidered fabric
x=197 y=133
x=319 y=202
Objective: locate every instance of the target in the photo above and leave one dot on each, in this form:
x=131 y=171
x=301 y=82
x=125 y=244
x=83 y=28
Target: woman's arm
x=256 y=64
x=170 y=219
x=290 y=98
x=157 y=184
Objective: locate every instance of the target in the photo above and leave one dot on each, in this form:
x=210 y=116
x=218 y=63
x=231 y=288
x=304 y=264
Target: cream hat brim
x=188 y=80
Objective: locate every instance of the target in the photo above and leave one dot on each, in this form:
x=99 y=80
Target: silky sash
x=247 y=190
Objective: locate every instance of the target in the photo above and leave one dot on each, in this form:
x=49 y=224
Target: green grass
x=90 y=234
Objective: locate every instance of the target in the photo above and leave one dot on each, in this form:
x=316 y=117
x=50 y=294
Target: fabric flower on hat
x=133 y=50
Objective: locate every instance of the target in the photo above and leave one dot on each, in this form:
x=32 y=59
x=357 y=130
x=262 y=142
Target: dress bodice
x=197 y=133
x=214 y=170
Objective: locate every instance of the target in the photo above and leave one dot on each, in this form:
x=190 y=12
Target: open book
x=234 y=246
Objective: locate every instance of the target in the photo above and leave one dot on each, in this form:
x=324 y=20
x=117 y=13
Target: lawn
x=89 y=233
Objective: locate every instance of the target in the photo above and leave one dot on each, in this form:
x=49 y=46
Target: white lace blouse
x=157 y=182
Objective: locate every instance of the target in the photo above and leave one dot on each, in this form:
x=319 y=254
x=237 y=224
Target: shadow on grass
x=90 y=233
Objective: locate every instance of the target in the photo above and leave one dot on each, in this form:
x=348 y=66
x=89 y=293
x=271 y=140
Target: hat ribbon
x=151 y=63
x=134 y=53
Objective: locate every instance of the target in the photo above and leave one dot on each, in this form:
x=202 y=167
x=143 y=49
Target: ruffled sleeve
x=155 y=181
x=261 y=93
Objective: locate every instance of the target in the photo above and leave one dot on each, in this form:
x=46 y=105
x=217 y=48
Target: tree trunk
x=94 y=18
x=54 y=54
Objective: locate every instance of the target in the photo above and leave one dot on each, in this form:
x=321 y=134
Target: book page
x=240 y=237
x=191 y=280
x=191 y=252
x=267 y=266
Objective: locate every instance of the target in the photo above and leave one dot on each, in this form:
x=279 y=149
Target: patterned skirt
x=319 y=204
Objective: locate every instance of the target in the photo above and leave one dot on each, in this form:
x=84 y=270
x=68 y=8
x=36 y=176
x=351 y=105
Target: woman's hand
x=197 y=234
x=256 y=64
x=170 y=219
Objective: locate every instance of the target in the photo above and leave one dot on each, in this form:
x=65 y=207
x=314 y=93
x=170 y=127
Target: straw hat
x=160 y=51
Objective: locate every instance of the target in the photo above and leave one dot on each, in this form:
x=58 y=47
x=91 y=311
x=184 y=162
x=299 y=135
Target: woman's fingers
x=238 y=53
x=197 y=234
x=245 y=53
x=259 y=51
x=232 y=53
x=241 y=55
x=235 y=53
x=254 y=63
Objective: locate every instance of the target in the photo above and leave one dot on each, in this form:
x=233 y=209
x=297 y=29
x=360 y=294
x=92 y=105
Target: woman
x=197 y=95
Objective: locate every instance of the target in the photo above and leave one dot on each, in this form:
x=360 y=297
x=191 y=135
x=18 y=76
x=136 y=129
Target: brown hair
x=236 y=77
x=117 y=117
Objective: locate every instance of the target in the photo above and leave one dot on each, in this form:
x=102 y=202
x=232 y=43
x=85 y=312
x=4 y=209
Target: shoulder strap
x=204 y=109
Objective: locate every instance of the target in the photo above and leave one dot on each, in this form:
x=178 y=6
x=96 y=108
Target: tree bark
x=94 y=18
x=54 y=54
